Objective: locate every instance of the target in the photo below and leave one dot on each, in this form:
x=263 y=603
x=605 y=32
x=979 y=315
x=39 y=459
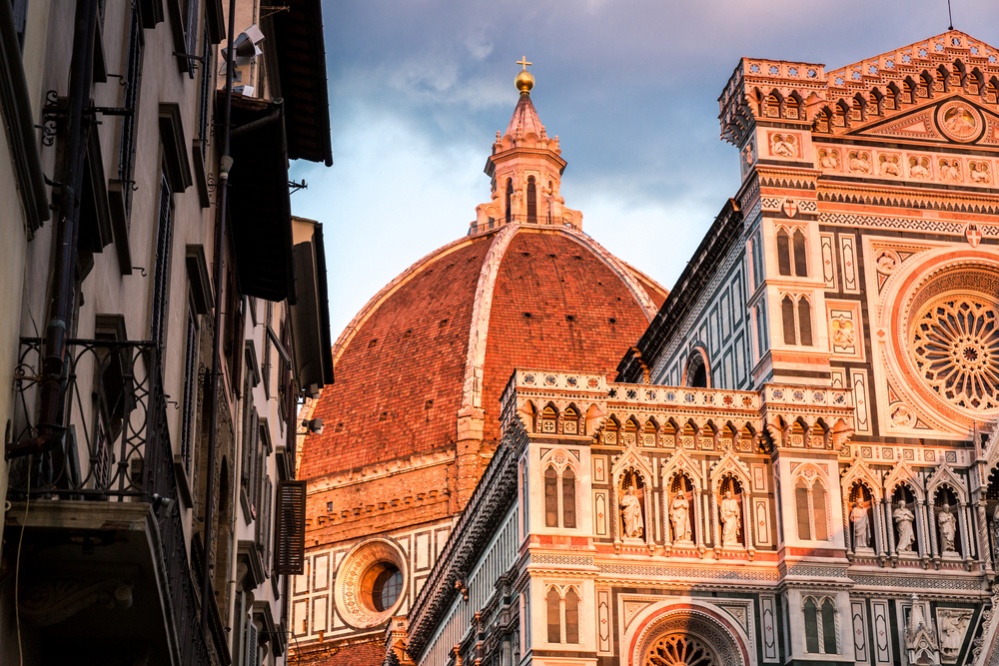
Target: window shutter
x=250 y=652
x=290 y=553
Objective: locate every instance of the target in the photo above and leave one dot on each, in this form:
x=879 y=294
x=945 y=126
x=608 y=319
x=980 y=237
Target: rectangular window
x=191 y=375
x=161 y=275
x=20 y=8
x=205 y=98
x=132 y=85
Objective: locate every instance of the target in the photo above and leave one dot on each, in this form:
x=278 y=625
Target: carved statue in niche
x=861 y=526
x=828 y=158
x=843 y=333
x=950 y=170
x=730 y=513
x=632 y=520
x=859 y=162
x=889 y=165
x=784 y=145
x=948 y=530
x=679 y=516
x=952 y=624
x=903 y=523
x=919 y=167
x=979 y=172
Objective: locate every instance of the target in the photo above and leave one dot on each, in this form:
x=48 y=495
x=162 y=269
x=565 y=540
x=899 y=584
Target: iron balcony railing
x=116 y=448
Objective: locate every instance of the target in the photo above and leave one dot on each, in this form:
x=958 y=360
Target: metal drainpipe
x=225 y=163
x=50 y=427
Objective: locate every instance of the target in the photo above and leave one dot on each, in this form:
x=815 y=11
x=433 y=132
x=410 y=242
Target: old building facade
x=796 y=461
x=164 y=316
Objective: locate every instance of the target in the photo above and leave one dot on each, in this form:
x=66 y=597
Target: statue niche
x=903 y=516
x=947 y=524
x=632 y=493
x=860 y=518
x=679 y=510
x=730 y=513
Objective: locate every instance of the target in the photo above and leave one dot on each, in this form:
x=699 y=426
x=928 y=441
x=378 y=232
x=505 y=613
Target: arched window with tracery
x=571 y=616
x=811 y=507
x=800 y=260
x=820 y=625
x=787 y=319
x=554 y=608
x=783 y=252
x=562 y=605
x=568 y=498
x=559 y=490
x=551 y=497
x=805 y=322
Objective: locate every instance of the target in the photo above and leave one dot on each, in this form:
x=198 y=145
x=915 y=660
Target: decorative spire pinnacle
x=524 y=80
x=526 y=170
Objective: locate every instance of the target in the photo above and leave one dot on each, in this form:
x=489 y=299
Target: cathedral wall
x=483 y=587
x=329 y=600
x=717 y=327
x=373 y=501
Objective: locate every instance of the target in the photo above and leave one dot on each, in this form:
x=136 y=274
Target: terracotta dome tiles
x=523 y=297
x=399 y=375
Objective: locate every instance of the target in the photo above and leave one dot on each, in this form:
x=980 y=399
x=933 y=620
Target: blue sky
x=418 y=89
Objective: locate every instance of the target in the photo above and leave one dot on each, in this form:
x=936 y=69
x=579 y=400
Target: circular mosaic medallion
x=959 y=121
x=370 y=583
x=956 y=349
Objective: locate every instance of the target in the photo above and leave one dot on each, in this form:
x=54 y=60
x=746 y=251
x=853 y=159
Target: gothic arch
x=945 y=476
x=860 y=472
x=902 y=475
x=696 y=623
x=729 y=465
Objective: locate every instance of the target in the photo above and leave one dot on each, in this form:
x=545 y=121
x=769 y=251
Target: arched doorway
x=688 y=634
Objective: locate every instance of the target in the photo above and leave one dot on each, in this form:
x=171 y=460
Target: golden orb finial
x=524 y=80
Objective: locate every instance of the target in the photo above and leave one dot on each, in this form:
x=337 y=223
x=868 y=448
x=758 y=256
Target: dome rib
x=471 y=395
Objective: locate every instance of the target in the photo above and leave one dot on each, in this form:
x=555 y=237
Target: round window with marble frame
x=371 y=583
x=942 y=320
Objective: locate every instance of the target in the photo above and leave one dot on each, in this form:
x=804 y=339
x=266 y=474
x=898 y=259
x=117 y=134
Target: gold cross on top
x=523 y=63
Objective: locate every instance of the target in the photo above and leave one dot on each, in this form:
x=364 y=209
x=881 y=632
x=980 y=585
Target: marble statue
x=679 y=515
x=859 y=518
x=903 y=522
x=952 y=624
x=730 y=513
x=948 y=530
x=631 y=514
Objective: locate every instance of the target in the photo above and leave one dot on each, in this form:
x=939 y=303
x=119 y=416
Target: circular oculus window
x=949 y=327
x=370 y=583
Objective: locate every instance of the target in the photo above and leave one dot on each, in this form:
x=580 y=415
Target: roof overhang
x=259 y=203
x=298 y=33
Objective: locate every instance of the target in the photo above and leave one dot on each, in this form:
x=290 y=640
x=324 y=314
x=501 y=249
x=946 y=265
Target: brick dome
x=420 y=369
x=447 y=333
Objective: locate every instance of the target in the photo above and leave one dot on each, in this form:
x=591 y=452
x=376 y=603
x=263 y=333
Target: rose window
x=956 y=349
x=680 y=650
